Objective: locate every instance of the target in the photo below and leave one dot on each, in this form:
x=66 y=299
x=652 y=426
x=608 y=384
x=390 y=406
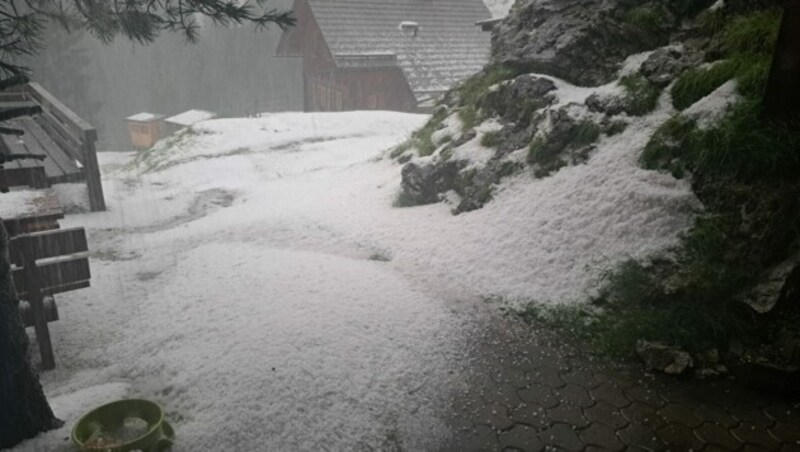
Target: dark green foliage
x=491 y=139
x=747 y=43
x=615 y=128
x=585 y=133
x=752 y=33
x=468 y=116
x=422 y=139
x=645 y=17
x=641 y=96
x=696 y=84
x=400 y=149
x=475 y=87
x=743 y=146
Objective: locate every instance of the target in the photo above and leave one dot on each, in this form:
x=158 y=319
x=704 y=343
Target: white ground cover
x=242 y=284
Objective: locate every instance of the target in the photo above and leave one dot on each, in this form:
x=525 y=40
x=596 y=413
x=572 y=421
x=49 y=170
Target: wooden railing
x=69 y=131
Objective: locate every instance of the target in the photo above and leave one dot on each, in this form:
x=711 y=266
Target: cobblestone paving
x=529 y=390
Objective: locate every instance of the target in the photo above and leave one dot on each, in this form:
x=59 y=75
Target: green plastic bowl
x=111 y=418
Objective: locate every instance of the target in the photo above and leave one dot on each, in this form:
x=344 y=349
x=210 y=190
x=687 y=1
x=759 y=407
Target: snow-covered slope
x=240 y=278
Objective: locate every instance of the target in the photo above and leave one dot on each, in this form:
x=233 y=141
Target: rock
x=663 y=358
x=608 y=104
x=516 y=100
x=422 y=183
x=779 y=282
x=582 y=41
x=666 y=63
x=707 y=365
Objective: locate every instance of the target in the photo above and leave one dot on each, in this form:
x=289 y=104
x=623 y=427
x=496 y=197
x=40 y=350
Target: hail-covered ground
x=253 y=277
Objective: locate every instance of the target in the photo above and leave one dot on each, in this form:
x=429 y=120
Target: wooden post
x=91 y=168
x=36 y=300
x=782 y=94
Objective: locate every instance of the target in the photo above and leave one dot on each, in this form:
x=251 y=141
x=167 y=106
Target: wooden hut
x=145 y=129
x=384 y=54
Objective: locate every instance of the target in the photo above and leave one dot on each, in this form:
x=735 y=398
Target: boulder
x=516 y=100
x=422 y=183
x=608 y=104
x=780 y=282
x=663 y=358
x=582 y=41
x=666 y=63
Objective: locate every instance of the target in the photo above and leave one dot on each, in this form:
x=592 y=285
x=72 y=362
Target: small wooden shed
x=145 y=129
x=186 y=119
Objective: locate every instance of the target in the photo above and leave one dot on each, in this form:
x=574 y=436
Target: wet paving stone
x=755 y=435
x=562 y=436
x=717 y=435
x=536 y=392
x=568 y=414
x=521 y=437
x=603 y=436
x=605 y=413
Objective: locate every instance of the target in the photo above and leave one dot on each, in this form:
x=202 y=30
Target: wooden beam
x=48 y=244
x=52 y=277
x=29 y=275
x=34 y=177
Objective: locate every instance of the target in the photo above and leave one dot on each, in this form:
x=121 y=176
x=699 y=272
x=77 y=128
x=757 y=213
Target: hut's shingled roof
x=447 y=48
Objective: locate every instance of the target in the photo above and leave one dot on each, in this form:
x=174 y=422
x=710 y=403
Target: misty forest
x=399 y=225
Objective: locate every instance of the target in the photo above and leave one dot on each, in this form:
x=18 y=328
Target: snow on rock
x=710 y=109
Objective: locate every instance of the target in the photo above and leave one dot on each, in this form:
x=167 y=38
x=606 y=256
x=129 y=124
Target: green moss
x=491 y=139
x=641 y=96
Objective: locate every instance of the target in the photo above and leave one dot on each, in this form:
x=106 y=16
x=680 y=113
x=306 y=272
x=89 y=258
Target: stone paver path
x=531 y=390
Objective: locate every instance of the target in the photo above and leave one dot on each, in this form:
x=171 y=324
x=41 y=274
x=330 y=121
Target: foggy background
x=229 y=71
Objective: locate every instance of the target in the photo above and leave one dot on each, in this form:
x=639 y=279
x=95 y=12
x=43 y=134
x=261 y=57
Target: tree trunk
x=782 y=95
x=24 y=411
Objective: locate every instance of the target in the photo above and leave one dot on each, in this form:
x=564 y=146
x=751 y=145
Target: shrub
x=615 y=128
x=585 y=133
x=641 y=96
x=753 y=33
x=698 y=83
x=491 y=139
x=645 y=17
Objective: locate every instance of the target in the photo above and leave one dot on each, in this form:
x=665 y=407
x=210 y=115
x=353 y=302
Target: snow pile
x=710 y=109
x=499 y=8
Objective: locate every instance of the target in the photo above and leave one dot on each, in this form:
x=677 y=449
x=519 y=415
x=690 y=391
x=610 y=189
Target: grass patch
x=641 y=96
x=743 y=146
x=753 y=33
x=615 y=128
x=468 y=116
x=474 y=88
x=585 y=133
x=645 y=18
x=491 y=139
x=401 y=149
x=698 y=83
x=422 y=139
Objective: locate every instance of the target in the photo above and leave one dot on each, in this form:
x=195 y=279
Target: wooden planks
x=55 y=277
x=48 y=244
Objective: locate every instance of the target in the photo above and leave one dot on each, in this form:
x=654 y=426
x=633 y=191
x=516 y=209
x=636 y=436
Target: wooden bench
x=47 y=263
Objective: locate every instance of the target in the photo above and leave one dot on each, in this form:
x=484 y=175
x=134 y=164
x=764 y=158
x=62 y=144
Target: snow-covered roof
x=189 y=117
x=446 y=48
x=144 y=117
